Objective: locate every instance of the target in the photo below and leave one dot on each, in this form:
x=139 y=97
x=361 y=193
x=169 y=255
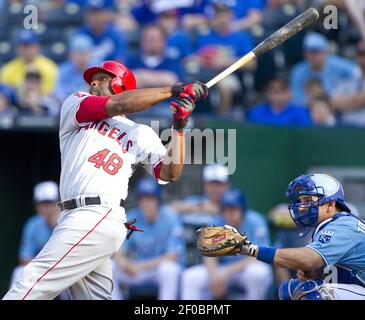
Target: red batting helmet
x=123 y=77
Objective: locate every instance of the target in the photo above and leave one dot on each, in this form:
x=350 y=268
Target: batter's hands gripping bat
x=300 y=22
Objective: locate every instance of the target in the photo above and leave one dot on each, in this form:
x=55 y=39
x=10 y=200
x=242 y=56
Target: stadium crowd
x=314 y=79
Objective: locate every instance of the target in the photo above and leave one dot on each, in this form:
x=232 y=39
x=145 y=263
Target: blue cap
x=80 y=42
x=26 y=37
x=95 y=5
x=315 y=42
x=233 y=198
x=148 y=187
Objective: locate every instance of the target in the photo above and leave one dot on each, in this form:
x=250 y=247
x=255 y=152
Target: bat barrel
x=291 y=28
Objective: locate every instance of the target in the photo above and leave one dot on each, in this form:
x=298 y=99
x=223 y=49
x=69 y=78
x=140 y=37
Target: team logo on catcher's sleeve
x=325 y=236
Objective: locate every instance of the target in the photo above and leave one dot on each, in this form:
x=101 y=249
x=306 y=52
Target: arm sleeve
x=27 y=248
x=81 y=107
x=332 y=243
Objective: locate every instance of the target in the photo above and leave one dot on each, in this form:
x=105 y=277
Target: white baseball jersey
x=99 y=157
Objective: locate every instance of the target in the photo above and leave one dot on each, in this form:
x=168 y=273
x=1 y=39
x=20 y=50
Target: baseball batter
x=100 y=149
x=332 y=266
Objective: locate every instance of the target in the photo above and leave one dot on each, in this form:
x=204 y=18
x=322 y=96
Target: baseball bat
x=297 y=24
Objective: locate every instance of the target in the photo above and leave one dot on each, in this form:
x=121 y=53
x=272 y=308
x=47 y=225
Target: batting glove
x=196 y=90
x=182 y=109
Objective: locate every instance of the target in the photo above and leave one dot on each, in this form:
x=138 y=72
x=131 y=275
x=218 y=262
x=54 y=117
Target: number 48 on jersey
x=110 y=164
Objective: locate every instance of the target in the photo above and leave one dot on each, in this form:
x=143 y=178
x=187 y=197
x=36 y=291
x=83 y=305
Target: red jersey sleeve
x=92 y=108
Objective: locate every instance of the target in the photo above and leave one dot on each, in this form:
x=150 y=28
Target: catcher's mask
x=303 y=207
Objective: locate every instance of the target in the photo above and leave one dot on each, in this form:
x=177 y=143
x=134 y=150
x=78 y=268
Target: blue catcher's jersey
x=165 y=235
x=340 y=241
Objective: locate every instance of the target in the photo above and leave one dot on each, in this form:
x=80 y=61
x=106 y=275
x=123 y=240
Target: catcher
x=316 y=203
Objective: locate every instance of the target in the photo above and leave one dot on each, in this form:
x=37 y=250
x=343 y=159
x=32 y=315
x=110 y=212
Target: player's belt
x=81 y=202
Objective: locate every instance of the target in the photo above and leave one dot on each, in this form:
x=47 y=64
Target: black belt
x=85 y=201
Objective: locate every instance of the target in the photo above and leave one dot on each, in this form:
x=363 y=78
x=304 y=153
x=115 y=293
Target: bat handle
x=232 y=68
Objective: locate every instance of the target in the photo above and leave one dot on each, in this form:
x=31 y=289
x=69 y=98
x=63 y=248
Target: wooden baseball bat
x=297 y=24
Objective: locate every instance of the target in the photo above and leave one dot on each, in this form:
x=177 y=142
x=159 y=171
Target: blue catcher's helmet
x=325 y=187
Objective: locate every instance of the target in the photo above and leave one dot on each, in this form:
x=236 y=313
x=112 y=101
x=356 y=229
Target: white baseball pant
x=165 y=277
x=256 y=279
x=77 y=257
x=346 y=291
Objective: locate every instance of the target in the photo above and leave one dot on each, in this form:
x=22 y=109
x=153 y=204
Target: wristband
x=266 y=254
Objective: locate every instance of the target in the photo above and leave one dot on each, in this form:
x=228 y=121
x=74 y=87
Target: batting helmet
x=123 y=77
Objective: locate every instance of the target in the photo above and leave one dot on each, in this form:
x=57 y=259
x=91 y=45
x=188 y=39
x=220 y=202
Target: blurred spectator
x=219 y=49
x=322 y=113
x=314 y=89
x=38 y=229
x=70 y=77
x=356 y=9
x=286 y=237
x=155 y=256
x=279 y=110
x=178 y=42
x=146 y=11
x=247 y=13
x=216 y=276
x=109 y=42
x=349 y=98
x=215 y=183
x=7 y=101
x=152 y=68
x=124 y=19
x=28 y=55
x=30 y=99
x=331 y=70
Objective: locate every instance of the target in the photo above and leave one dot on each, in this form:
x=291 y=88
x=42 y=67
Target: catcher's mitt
x=220 y=241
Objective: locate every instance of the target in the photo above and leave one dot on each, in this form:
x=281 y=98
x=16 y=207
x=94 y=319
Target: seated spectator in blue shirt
x=246 y=13
x=217 y=50
x=109 y=42
x=152 y=67
x=147 y=11
x=279 y=110
x=80 y=57
x=38 y=228
x=330 y=69
x=215 y=183
x=178 y=43
x=216 y=275
x=155 y=256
